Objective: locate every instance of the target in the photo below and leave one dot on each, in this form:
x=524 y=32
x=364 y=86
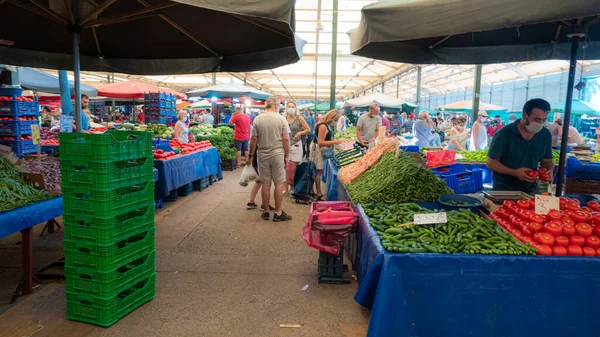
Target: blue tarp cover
x=329 y=177
x=28 y=216
x=179 y=171
x=461 y=295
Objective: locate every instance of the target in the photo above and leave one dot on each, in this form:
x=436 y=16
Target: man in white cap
x=479 y=139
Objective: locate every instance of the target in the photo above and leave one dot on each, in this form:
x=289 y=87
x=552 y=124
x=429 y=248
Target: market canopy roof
x=132 y=89
x=32 y=79
x=467 y=106
x=384 y=101
x=473 y=31
x=203 y=104
x=577 y=106
x=229 y=90
x=152 y=38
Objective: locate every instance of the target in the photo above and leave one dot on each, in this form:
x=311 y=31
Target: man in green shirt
x=519 y=147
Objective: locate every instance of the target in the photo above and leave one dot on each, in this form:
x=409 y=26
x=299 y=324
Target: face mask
x=460 y=128
x=483 y=119
x=511 y=120
x=291 y=111
x=534 y=127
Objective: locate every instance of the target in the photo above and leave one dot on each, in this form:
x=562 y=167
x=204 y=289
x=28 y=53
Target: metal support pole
x=383 y=88
x=214 y=78
x=113 y=101
x=476 y=92
x=566 y=118
x=398 y=86
x=418 y=100
x=76 y=64
x=334 y=25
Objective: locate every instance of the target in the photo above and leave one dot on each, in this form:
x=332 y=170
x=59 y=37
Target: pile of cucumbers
x=348 y=157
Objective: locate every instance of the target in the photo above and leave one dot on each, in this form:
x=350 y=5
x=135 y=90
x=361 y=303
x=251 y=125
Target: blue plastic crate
x=486 y=172
x=20 y=147
x=464 y=182
x=578 y=170
x=16 y=108
x=160 y=120
x=16 y=128
x=410 y=148
x=449 y=169
x=158 y=142
x=185 y=190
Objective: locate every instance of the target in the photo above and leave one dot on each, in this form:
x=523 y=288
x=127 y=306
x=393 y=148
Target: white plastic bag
x=248 y=174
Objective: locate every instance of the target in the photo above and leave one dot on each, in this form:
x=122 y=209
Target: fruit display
x=14 y=191
x=465 y=232
x=182 y=149
x=397 y=180
x=351 y=172
x=479 y=156
x=572 y=230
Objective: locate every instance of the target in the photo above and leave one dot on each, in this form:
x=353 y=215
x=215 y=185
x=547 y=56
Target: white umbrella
x=468 y=106
x=382 y=100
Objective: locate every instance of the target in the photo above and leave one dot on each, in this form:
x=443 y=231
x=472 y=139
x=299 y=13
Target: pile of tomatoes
x=572 y=230
x=191 y=147
x=19 y=98
x=162 y=155
x=50 y=142
x=13 y=138
x=542 y=174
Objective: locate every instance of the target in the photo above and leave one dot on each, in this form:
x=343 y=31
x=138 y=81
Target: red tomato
x=559 y=251
x=508 y=203
x=526 y=214
x=554 y=215
x=566 y=220
x=532 y=203
x=553 y=229
x=532 y=173
x=579 y=217
x=542 y=170
x=544 y=250
x=561 y=240
x=596 y=218
x=546 y=239
x=597 y=230
x=574 y=250
x=568 y=230
x=577 y=240
x=544 y=177
x=583 y=229
x=527 y=231
x=535 y=227
x=537 y=217
x=517 y=234
x=568 y=213
x=598 y=251
x=523 y=204
x=527 y=239
x=592 y=241
x=588 y=251
x=572 y=206
x=593 y=204
x=586 y=209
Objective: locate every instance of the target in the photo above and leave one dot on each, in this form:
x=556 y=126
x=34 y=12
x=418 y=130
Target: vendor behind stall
x=520 y=147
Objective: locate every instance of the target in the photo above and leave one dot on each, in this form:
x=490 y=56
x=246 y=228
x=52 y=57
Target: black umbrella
x=479 y=32
x=149 y=37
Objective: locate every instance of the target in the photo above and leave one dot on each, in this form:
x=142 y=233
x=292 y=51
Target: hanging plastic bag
x=248 y=174
x=441 y=158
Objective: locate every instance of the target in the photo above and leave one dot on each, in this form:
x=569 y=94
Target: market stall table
x=475 y=295
x=329 y=177
x=22 y=220
x=179 y=171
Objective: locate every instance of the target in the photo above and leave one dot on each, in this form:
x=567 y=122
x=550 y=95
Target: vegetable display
x=14 y=191
x=573 y=230
x=465 y=232
x=49 y=168
x=349 y=173
x=347 y=157
x=349 y=134
x=397 y=180
x=479 y=156
x=160 y=130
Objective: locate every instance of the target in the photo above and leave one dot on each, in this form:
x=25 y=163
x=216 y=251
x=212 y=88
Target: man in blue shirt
x=422 y=129
x=520 y=147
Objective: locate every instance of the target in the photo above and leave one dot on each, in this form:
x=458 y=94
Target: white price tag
x=66 y=123
x=545 y=203
x=430 y=218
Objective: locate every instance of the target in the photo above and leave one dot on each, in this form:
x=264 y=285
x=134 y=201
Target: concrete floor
x=221 y=271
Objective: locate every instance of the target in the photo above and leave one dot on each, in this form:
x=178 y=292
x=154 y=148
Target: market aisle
x=221 y=271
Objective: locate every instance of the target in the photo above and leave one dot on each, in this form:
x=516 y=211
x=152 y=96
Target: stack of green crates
x=108 y=195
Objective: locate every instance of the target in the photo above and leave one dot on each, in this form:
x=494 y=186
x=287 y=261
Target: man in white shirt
x=341 y=124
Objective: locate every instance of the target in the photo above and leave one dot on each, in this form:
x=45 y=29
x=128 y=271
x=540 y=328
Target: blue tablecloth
x=28 y=216
x=329 y=177
x=179 y=171
x=475 y=295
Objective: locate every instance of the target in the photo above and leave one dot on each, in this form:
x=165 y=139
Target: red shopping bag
x=440 y=158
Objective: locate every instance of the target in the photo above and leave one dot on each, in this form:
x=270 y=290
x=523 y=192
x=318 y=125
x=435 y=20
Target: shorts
x=296 y=152
x=272 y=169
x=317 y=156
x=241 y=145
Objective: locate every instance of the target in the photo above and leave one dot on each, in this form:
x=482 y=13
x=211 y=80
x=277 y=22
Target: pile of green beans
x=465 y=232
x=14 y=191
x=397 y=180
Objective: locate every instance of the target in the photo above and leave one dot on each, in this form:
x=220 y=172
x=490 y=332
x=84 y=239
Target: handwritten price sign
x=546 y=203
x=430 y=218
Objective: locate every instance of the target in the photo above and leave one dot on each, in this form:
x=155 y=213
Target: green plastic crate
x=106 y=147
x=95 y=228
x=119 y=200
x=107 y=311
x=79 y=173
x=105 y=257
x=108 y=283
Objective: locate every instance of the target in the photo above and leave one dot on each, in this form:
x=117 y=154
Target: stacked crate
x=98 y=108
x=159 y=107
x=17 y=114
x=108 y=196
